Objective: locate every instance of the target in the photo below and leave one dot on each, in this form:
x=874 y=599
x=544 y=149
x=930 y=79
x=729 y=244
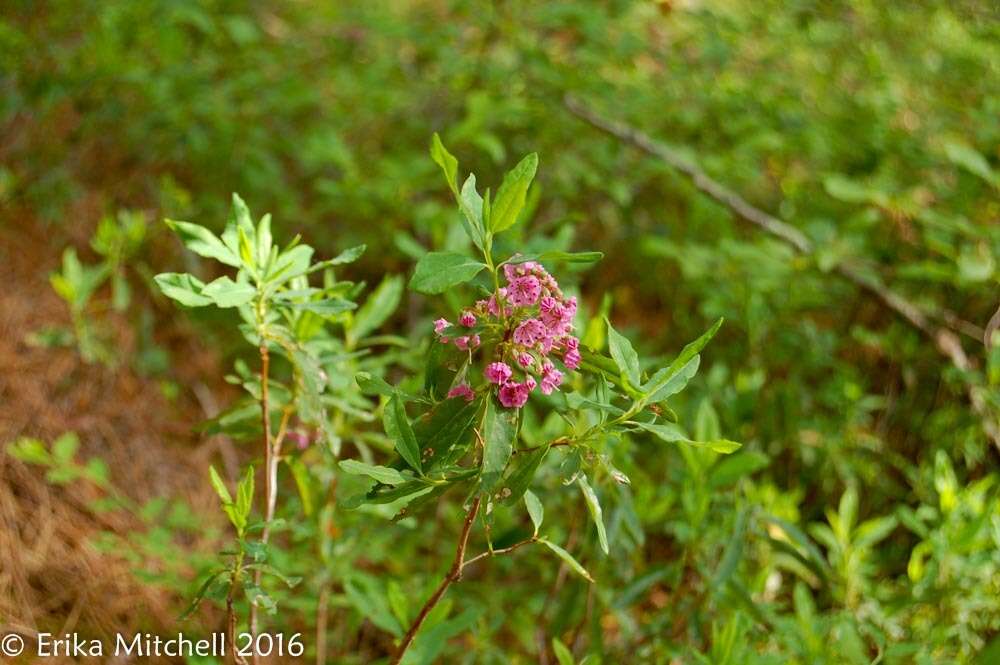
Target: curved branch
x=945 y=340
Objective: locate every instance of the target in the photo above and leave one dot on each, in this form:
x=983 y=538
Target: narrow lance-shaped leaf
x=244 y=495
x=596 y=514
x=624 y=355
x=447 y=162
x=523 y=472
x=182 y=287
x=510 y=197
x=471 y=205
x=535 y=509
x=382 y=474
x=558 y=256
x=397 y=426
x=224 y=292
x=498 y=430
x=203 y=242
x=568 y=558
x=673 y=434
x=378 y=307
x=692 y=349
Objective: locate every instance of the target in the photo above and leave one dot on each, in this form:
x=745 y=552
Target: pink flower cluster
x=536 y=322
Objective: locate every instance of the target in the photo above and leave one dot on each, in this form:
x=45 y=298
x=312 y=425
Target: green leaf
x=291 y=263
x=971 y=160
x=368 y=596
x=523 y=472
x=244 y=495
x=64 y=448
x=563 y=654
x=732 y=555
x=568 y=558
x=224 y=292
x=535 y=509
x=326 y=307
x=397 y=426
x=347 y=256
x=303 y=482
x=383 y=474
x=730 y=469
x=200 y=594
x=667 y=382
x=446 y=432
x=30 y=450
x=596 y=514
x=874 y=530
x=182 y=287
x=624 y=355
x=510 y=197
x=203 y=242
x=436 y=272
x=672 y=434
x=557 y=256
x=499 y=430
x=447 y=162
x=471 y=204
x=264 y=240
x=373 y=385
x=219 y=486
x=691 y=349
x=378 y=307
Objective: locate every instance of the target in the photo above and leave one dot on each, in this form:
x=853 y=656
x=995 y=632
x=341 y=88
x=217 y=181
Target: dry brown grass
x=52 y=578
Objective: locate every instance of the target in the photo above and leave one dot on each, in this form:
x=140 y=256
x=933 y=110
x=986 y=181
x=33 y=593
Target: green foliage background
x=863 y=509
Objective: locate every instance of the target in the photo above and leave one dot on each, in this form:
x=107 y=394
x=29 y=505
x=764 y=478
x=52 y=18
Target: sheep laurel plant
x=515 y=342
x=283 y=313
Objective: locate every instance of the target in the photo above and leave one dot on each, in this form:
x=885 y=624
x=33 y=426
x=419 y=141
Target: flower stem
x=454 y=574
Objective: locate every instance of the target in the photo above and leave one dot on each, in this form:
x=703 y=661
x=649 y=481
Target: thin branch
x=489 y=554
x=454 y=574
x=270 y=471
x=991 y=329
x=944 y=339
x=322 y=612
x=231 y=615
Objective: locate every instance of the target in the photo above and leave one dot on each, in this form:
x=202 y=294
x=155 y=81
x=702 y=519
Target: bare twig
x=231 y=616
x=504 y=550
x=322 y=612
x=991 y=329
x=270 y=472
x=453 y=575
x=945 y=340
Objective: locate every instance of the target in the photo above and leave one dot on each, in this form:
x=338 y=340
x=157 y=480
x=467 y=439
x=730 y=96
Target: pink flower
x=493 y=305
x=529 y=332
x=498 y=373
x=467 y=319
x=572 y=343
x=524 y=291
x=466 y=343
x=547 y=304
x=525 y=359
x=440 y=325
x=551 y=378
x=462 y=390
x=300 y=438
x=513 y=395
x=572 y=358
x=530 y=383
